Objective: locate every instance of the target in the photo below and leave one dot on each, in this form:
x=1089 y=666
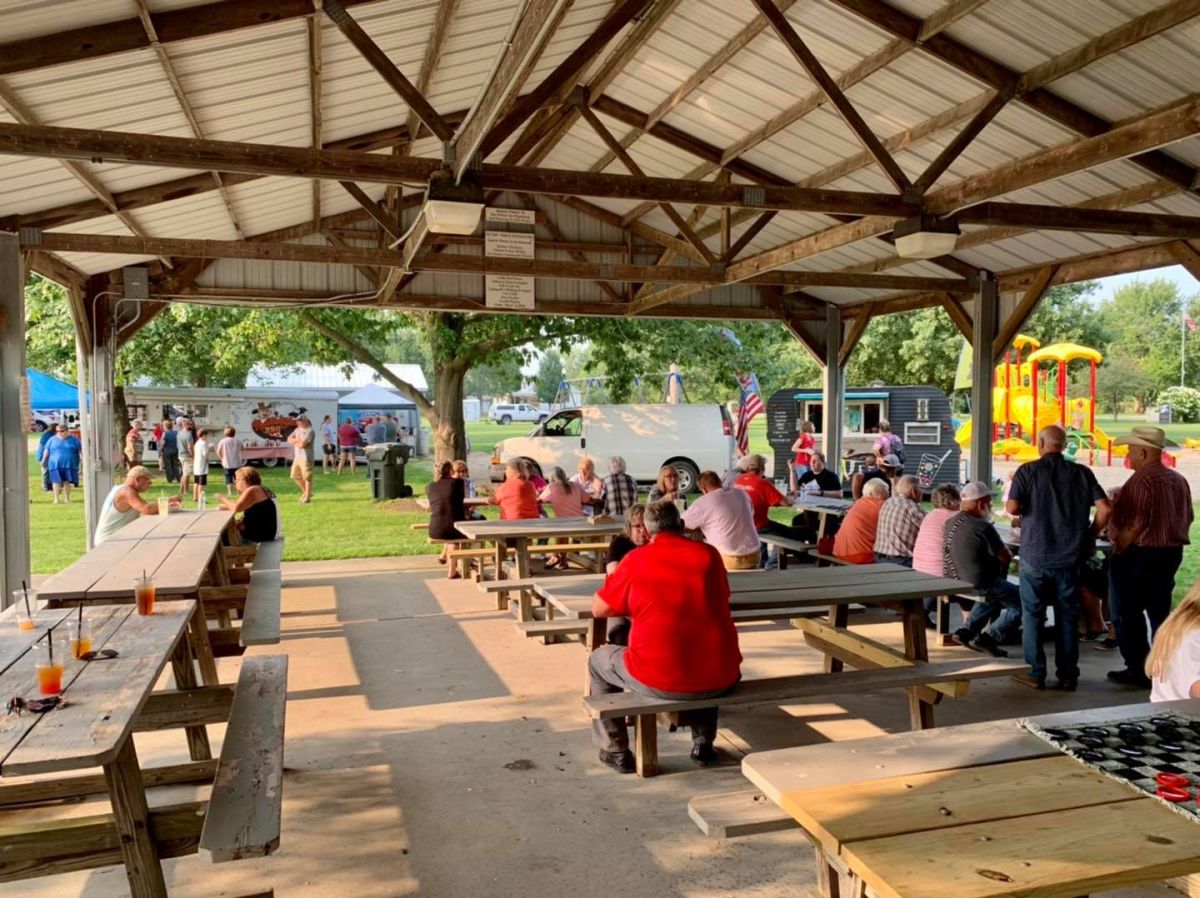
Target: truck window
x=567 y=424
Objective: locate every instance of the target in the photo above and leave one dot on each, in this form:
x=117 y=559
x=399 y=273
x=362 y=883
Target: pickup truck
x=506 y=413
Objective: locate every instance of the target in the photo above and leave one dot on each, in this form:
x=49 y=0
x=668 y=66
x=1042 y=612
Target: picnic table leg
x=916 y=649
x=943 y=620
x=646 y=745
x=185 y=678
x=220 y=569
x=127 y=792
x=501 y=556
x=201 y=647
x=525 y=597
x=597 y=635
x=839 y=616
x=235 y=535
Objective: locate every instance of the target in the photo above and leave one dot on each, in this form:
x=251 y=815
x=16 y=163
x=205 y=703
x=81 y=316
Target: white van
x=693 y=438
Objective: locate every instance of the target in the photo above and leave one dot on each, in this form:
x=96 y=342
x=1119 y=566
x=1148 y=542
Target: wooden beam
x=442 y=20
x=958 y=315
x=961 y=141
x=564 y=74
x=810 y=245
x=937 y=22
x=577 y=254
x=798 y=328
x=371 y=274
x=315 y=62
x=829 y=87
x=970 y=61
x=536 y=21
x=1024 y=308
x=389 y=223
x=858 y=327
x=1188 y=257
x=668 y=255
x=123 y=35
x=747 y=236
x=386 y=69
x=1066 y=218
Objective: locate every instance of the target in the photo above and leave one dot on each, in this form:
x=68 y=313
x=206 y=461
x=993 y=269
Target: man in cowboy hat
x=1054 y=498
x=1149 y=529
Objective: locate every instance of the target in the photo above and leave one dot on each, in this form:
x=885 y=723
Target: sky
x=1188 y=285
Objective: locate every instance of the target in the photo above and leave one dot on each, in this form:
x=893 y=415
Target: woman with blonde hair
x=666 y=487
x=634 y=537
x=1173 y=665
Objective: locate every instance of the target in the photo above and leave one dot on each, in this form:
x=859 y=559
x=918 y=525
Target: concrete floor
x=433 y=751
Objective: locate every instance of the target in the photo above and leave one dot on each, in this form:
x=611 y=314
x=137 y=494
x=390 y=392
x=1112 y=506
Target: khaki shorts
x=745 y=562
x=302 y=468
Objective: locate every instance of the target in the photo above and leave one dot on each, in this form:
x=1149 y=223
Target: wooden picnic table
x=823 y=506
x=468 y=502
x=798 y=589
x=1012 y=539
x=977 y=811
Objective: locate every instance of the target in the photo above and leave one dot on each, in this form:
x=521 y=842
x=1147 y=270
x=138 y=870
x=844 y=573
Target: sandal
x=455 y=576
x=1105 y=645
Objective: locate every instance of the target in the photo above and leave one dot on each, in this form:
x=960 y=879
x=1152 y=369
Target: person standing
x=229 y=451
x=63 y=455
x=328 y=444
x=200 y=464
x=1148 y=529
x=44 y=459
x=133 y=445
x=803 y=449
x=389 y=429
x=1054 y=498
x=301 y=440
x=187 y=444
x=168 y=451
x=376 y=432
x=348 y=444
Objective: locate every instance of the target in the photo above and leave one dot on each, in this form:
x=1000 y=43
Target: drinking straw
x=80 y=618
x=50 y=645
x=25 y=589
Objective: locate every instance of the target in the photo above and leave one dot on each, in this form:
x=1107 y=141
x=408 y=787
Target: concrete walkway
x=433 y=751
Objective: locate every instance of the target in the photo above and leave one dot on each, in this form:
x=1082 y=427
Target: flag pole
x=1182 y=337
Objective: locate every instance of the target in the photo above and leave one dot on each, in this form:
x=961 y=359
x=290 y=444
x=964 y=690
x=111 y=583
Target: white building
x=332 y=377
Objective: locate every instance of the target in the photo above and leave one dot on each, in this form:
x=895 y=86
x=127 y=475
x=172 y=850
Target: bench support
x=646 y=745
x=185 y=678
x=127 y=793
x=920 y=713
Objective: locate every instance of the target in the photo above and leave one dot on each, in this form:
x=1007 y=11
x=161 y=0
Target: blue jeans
x=1057 y=587
x=1141 y=581
x=1001 y=600
x=904 y=560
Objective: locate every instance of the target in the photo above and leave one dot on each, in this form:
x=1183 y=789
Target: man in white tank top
x=124 y=503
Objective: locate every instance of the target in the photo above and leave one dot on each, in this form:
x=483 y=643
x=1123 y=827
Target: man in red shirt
x=1148 y=529
x=682 y=642
x=516 y=496
x=763 y=496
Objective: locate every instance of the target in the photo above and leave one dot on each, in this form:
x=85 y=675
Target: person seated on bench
x=621 y=545
x=739 y=468
x=620 y=490
x=682 y=643
x=592 y=485
x=927 y=550
x=725 y=518
x=1173 y=665
x=973 y=551
x=818 y=480
x=899 y=523
x=566 y=498
x=446 y=508
x=463 y=473
x=257 y=504
x=516 y=496
x=666 y=487
x=763 y=496
x=124 y=503
x=887 y=468
x=855 y=540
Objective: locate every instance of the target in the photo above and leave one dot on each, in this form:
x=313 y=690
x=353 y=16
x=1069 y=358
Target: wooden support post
x=185 y=678
x=127 y=793
x=987 y=301
x=202 y=647
x=14 y=450
x=646 y=745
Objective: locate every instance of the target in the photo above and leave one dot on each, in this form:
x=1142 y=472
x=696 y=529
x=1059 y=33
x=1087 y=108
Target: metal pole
x=834 y=398
x=1182 y=337
x=983 y=335
x=14 y=448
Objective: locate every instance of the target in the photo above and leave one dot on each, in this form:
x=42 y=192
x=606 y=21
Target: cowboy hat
x=1150 y=437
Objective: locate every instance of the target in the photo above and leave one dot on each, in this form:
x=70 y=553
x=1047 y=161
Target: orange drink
x=23 y=622
x=50 y=677
x=81 y=637
x=25 y=601
x=143 y=591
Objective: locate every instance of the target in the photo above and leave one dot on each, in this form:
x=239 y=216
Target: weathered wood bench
x=780 y=690
x=269 y=556
x=260 y=615
x=788 y=548
x=244 y=810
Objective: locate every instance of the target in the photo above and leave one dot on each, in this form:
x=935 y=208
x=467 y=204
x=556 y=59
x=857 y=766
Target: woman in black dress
x=446 y=495
x=260 y=514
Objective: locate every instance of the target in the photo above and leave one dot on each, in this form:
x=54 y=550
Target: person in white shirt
x=229 y=451
x=726 y=518
x=200 y=464
x=1173 y=665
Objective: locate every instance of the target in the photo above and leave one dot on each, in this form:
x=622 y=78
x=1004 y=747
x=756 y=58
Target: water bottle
x=470 y=489
x=202 y=502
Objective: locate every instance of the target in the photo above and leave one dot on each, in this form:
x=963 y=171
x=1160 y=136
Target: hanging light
x=453 y=208
x=925 y=237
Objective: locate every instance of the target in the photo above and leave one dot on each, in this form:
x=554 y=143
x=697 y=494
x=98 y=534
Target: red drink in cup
x=143 y=591
x=49 y=665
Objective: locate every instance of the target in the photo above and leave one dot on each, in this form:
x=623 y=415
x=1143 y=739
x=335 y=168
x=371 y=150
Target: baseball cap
x=976 y=489
x=890 y=461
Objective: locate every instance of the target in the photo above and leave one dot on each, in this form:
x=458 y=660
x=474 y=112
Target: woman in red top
x=348 y=444
x=855 y=540
x=803 y=447
x=516 y=496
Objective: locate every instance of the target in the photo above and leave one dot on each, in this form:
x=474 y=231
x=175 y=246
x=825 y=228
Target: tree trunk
x=449 y=435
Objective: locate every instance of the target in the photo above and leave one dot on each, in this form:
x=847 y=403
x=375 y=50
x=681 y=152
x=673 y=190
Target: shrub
x=1184 y=400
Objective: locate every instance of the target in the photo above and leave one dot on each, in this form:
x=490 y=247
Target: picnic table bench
x=979 y=811
x=108 y=700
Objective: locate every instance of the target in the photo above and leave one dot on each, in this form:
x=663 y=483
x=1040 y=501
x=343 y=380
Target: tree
x=1067 y=313
x=1143 y=320
x=907 y=348
x=49 y=333
x=549 y=375
x=1120 y=378
x=1184 y=402
x=495 y=378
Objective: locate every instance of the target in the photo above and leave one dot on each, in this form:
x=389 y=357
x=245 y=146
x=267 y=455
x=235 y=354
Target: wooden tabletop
x=468 y=502
x=979 y=811
x=823 y=503
x=175 y=551
x=1012 y=539
x=103 y=696
x=531 y=528
x=804 y=587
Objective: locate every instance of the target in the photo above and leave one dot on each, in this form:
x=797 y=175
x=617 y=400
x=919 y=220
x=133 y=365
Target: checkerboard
x=1134 y=751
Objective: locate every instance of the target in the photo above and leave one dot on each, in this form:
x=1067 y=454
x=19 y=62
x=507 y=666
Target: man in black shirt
x=973 y=551
x=818 y=480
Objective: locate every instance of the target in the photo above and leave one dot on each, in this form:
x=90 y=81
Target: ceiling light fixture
x=925 y=237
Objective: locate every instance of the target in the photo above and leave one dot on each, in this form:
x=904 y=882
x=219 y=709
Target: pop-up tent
x=46 y=392
x=365 y=403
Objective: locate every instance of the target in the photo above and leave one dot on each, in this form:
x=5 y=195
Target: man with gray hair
x=739 y=468
x=682 y=642
x=973 y=551
x=1053 y=500
x=899 y=523
x=620 y=490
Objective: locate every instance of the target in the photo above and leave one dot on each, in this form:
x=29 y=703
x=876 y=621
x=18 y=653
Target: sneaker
x=986 y=643
x=1107 y=644
x=1067 y=685
x=620 y=761
x=963 y=637
x=704 y=754
x=1029 y=680
x=1129 y=678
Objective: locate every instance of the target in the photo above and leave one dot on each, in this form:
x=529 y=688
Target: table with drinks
x=77 y=683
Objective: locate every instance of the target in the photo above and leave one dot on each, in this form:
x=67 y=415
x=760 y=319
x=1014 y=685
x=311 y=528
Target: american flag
x=749 y=406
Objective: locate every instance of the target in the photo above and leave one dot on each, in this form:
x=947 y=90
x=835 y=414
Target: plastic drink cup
x=24 y=620
x=202 y=502
x=143 y=592
x=49 y=667
x=164 y=505
x=80 y=633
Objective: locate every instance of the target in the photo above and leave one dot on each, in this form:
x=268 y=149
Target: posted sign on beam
x=509 y=291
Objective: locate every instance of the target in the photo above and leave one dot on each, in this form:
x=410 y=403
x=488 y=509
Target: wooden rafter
x=1095 y=221
x=961 y=141
x=315 y=63
x=782 y=307
x=389 y=223
x=850 y=115
x=747 y=236
x=442 y=20
x=1188 y=256
x=958 y=315
x=858 y=327
x=668 y=255
x=386 y=69
x=935 y=23
x=574 y=252
x=1024 y=308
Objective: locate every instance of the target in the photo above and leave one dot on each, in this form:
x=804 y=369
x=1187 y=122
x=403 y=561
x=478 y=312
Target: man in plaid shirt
x=620 y=490
x=899 y=523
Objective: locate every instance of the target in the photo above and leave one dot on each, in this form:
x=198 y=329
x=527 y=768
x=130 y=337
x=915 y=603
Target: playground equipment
x=1027 y=397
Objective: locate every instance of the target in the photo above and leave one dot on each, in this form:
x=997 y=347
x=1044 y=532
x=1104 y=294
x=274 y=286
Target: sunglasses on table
x=99 y=655
x=17 y=705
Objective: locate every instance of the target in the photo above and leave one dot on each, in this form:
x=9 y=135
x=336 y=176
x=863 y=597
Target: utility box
x=385 y=469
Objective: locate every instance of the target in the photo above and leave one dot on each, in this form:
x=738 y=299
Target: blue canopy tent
x=46 y=392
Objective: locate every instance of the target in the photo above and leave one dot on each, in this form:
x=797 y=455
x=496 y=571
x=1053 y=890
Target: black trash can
x=385 y=469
